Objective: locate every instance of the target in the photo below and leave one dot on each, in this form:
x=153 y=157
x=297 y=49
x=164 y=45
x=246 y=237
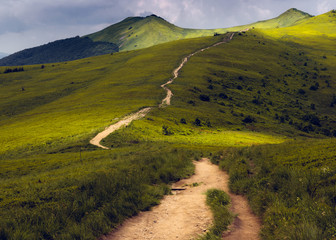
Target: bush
x=223 y=95
x=204 y=98
x=198 y=122
x=301 y=91
x=313 y=119
x=167 y=131
x=249 y=119
x=314 y=87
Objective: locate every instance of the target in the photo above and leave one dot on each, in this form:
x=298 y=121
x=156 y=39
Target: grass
x=67 y=196
x=141 y=32
x=53 y=183
x=290 y=185
x=261 y=88
x=44 y=115
x=219 y=203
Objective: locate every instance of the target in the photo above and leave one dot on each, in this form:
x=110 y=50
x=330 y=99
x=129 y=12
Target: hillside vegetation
x=60 y=51
x=53 y=183
x=140 y=32
x=129 y=34
x=291 y=186
x=264 y=81
x=262 y=105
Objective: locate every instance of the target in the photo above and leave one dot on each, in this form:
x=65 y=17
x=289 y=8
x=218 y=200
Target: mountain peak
x=153 y=15
x=295 y=11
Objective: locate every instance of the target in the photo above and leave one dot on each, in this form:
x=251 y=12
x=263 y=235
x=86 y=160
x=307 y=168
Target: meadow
x=141 y=32
x=54 y=185
x=261 y=105
x=63 y=103
x=291 y=186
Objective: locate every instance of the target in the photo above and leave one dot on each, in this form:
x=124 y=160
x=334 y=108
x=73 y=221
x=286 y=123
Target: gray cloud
x=28 y=23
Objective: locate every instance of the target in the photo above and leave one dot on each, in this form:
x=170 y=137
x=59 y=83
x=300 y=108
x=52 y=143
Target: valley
x=258 y=103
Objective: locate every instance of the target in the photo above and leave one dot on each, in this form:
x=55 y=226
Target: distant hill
x=59 y=51
x=318 y=31
x=140 y=32
x=288 y=18
x=132 y=33
x=3 y=55
x=324 y=24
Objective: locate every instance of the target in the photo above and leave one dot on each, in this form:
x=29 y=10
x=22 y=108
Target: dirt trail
x=143 y=112
x=185 y=215
x=114 y=127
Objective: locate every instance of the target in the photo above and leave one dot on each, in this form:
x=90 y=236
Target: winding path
x=143 y=112
x=185 y=215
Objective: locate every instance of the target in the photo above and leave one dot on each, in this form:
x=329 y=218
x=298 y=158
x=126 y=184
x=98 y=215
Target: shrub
x=313 y=119
x=223 y=95
x=191 y=102
x=301 y=91
x=249 y=119
x=198 y=122
x=314 y=87
x=204 y=98
x=166 y=131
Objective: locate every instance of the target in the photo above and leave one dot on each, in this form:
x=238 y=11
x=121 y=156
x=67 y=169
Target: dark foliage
x=59 y=51
x=204 y=98
x=313 y=119
x=249 y=119
x=10 y=70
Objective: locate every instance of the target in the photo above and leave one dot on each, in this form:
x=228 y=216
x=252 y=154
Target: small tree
x=197 y=122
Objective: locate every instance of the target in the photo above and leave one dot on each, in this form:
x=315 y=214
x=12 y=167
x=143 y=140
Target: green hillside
x=129 y=34
x=321 y=27
x=288 y=18
x=262 y=105
x=59 y=51
x=140 y=32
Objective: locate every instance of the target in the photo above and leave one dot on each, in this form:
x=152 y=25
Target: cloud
x=27 y=23
x=323 y=6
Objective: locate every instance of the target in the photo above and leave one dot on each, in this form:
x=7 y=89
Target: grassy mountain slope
x=140 y=32
x=260 y=88
x=319 y=31
x=252 y=83
x=131 y=33
x=286 y=19
x=50 y=173
x=43 y=99
x=59 y=51
x=260 y=83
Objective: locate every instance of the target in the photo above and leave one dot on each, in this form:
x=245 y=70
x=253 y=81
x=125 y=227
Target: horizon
x=24 y=26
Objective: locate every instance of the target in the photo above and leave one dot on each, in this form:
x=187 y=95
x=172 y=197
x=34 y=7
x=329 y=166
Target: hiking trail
x=185 y=215
x=143 y=112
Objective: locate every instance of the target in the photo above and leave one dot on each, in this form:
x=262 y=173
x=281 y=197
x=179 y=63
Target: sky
x=30 y=23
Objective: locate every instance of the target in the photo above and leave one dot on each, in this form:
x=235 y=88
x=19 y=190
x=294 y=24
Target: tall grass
x=292 y=190
x=219 y=203
x=107 y=188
